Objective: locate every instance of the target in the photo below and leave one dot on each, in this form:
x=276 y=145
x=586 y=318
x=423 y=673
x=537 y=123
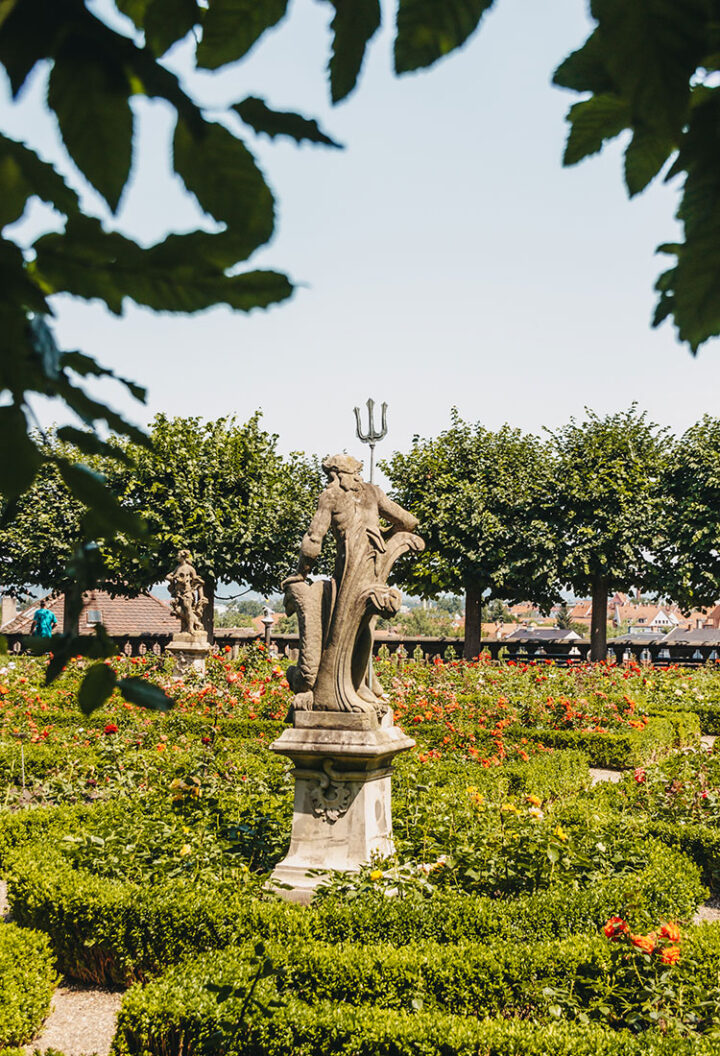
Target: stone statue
x=337 y=617
x=188 y=595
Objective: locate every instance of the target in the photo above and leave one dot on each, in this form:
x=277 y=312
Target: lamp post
x=267 y=622
x=371 y=437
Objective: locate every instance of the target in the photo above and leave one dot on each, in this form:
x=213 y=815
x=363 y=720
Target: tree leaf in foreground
x=97 y=685
x=144 y=694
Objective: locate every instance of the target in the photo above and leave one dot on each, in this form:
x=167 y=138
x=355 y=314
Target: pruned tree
x=691 y=548
x=221 y=489
x=479 y=496
x=607 y=507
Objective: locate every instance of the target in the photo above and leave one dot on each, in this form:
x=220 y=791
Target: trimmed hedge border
x=612 y=751
x=27 y=982
x=184 y=1018
x=699 y=842
x=106 y=931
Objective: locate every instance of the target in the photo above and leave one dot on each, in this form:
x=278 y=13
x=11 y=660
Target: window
x=93 y=616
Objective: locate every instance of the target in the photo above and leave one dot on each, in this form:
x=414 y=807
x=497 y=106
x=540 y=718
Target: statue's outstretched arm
x=394 y=513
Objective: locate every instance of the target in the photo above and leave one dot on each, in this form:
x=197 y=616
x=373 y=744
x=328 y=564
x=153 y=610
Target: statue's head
x=345 y=470
x=183 y=557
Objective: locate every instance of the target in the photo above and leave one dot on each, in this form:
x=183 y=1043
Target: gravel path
x=81 y=1021
x=597 y=775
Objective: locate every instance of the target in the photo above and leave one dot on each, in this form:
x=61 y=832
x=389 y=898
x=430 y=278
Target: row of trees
x=599 y=505
x=220 y=488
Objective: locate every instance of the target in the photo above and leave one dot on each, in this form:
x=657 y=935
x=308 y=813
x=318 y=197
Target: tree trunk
x=70 y=625
x=598 y=624
x=473 y=620
x=208 y=617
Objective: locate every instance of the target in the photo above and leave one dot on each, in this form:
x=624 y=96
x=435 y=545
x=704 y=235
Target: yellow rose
x=376 y=874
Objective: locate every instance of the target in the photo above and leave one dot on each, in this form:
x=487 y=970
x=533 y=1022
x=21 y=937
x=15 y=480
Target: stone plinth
x=190 y=650
x=342 y=813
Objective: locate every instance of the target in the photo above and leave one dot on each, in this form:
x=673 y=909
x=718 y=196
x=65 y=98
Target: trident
x=371 y=437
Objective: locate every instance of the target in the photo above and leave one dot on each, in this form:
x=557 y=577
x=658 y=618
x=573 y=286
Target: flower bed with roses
x=157 y=832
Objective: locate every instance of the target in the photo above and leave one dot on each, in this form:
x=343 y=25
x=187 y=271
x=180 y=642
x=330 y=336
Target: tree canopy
x=479 y=496
x=607 y=507
x=223 y=490
x=690 y=559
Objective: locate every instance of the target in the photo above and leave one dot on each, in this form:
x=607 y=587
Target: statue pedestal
x=342 y=813
x=190 y=650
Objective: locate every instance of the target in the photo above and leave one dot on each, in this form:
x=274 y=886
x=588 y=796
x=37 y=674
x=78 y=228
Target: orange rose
x=614 y=927
x=670 y=931
x=670 y=955
x=646 y=943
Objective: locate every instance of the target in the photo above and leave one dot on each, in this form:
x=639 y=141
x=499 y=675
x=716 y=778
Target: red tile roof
x=142 y=615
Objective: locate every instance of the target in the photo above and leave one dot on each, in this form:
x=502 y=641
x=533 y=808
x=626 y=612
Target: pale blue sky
x=445 y=256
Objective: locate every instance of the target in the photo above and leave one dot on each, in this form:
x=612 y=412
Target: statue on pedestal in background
x=337 y=617
x=188 y=595
x=189 y=645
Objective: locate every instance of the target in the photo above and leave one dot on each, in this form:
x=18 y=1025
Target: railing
x=659 y=654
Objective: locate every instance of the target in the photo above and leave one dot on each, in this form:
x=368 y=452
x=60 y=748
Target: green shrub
x=27 y=981
x=550 y=775
x=179 y=1014
x=615 y=751
x=686 y=724
x=467 y=979
x=699 y=842
x=107 y=931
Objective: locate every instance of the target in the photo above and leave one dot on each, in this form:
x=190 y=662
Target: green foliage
x=426 y=31
x=649 y=67
x=219 y=488
x=27 y=982
x=222 y=490
x=615 y=751
x=608 y=502
x=178 y=1009
x=691 y=549
x=608 y=505
x=477 y=495
x=354 y=23
x=261 y=118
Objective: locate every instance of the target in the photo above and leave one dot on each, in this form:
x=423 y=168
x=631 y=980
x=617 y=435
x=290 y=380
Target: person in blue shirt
x=43 y=622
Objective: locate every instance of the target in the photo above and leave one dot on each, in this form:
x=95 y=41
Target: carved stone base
x=190 y=651
x=342 y=814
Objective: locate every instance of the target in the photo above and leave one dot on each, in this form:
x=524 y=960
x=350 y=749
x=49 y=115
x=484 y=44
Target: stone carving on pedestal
x=343 y=738
x=189 y=646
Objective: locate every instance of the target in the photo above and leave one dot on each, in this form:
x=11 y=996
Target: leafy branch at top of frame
x=649 y=69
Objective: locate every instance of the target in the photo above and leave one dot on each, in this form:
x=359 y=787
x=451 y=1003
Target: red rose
x=670 y=931
x=615 y=926
x=111 y=728
x=670 y=955
x=646 y=943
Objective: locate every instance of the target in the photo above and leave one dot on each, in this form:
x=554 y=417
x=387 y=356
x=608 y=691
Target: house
x=121 y=616
x=694 y=636
x=658 y=618
x=543 y=634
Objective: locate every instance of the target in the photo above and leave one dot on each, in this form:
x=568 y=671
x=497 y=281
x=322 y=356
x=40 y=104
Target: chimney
x=9 y=610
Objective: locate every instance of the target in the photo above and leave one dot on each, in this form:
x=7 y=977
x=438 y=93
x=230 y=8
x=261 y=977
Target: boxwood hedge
x=27 y=982
x=107 y=931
